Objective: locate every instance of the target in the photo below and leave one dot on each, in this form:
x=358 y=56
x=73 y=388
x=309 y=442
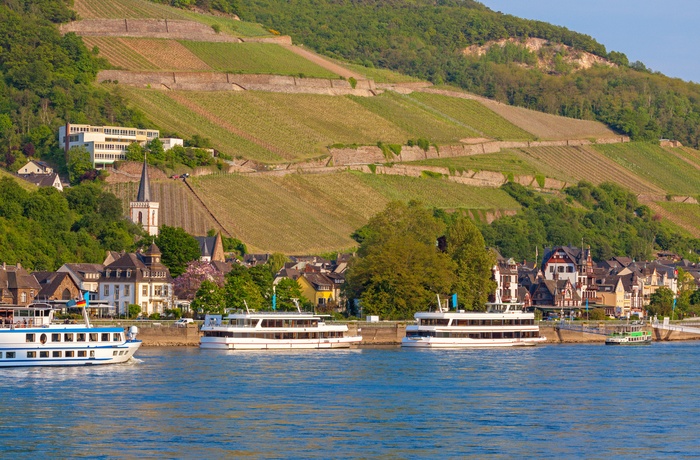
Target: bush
x=134 y=310
x=353 y=82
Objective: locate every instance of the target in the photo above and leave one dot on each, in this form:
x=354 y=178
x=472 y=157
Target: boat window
x=31 y=354
x=92 y=353
x=93 y=337
x=116 y=337
x=81 y=337
x=0 y=354
x=10 y=355
x=70 y=354
x=30 y=338
x=43 y=354
x=115 y=353
x=55 y=337
x=57 y=354
x=68 y=337
x=105 y=336
x=82 y=353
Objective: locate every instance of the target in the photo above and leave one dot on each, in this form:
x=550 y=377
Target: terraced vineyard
x=119 y=9
x=503 y=162
x=178 y=207
x=302 y=125
x=144 y=9
x=119 y=53
x=573 y=164
x=379 y=75
x=684 y=215
x=262 y=58
x=417 y=121
x=173 y=117
x=473 y=115
x=691 y=156
x=316 y=213
x=656 y=165
x=542 y=125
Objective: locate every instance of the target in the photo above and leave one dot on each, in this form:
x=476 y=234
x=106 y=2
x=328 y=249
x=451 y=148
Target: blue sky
x=664 y=35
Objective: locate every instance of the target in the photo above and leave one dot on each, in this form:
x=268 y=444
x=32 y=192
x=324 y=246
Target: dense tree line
x=408 y=255
x=607 y=217
x=426 y=39
x=45 y=228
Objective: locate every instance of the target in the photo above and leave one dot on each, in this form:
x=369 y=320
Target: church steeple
x=143 y=211
x=144 y=193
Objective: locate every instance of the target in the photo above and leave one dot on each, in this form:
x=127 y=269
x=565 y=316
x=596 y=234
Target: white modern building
x=107 y=144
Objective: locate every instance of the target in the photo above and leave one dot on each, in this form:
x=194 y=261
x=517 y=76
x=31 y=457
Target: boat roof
x=274 y=314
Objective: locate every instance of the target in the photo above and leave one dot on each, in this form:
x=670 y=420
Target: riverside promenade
x=390 y=333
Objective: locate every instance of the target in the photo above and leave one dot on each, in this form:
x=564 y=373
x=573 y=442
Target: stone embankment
x=390 y=333
x=219 y=81
x=160 y=28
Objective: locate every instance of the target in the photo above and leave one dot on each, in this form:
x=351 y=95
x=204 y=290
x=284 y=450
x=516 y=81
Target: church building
x=143 y=211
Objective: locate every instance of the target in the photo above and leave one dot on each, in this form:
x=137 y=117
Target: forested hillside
x=427 y=39
x=45 y=80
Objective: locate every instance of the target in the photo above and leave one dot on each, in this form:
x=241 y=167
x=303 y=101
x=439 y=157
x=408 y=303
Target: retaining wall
x=148 y=28
x=218 y=81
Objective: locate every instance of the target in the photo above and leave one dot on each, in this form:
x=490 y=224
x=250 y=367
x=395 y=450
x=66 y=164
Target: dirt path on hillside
x=323 y=62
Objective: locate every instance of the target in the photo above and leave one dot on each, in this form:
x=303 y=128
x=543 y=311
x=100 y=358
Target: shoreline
x=390 y=334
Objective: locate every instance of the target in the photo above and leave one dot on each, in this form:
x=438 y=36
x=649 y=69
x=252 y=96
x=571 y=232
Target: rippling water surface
x=544 y=402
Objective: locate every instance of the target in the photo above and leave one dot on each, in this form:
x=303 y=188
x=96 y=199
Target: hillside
x=318 y=145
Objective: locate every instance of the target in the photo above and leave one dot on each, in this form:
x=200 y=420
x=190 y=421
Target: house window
x=165 y=291
x=144 y=290
x=23 y=297
x=158 y=291
x=551 y=269
x=106 y=290
x=127 y=290
x=116 y=291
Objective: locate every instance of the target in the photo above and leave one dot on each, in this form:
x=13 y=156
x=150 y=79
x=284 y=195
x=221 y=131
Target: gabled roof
x=52 y=282
x=206 y=245
x=318 y=279
x=14 y=277
x=42 y=180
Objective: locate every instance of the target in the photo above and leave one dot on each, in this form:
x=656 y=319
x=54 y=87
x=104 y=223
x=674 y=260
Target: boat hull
x=263 y=344
x=446 y=342
x=95 y=355
x=627 y=342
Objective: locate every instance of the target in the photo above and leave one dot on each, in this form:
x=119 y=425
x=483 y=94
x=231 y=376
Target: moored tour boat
x=30 y=337
x=273 y=330
x=502 y=325
x=629 y=334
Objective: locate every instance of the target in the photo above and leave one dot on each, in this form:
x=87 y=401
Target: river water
x=554 y=401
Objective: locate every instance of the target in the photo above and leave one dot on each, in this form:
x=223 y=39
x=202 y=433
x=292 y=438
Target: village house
x=137 y=278
x=572 y=264
x=17 y=285
x=35 y=167
x=505 y=273
x=318 y=288
x=40 y=174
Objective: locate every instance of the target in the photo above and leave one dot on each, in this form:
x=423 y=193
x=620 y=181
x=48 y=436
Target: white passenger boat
x=272 y=330
x=30 y=337
x=502 y=325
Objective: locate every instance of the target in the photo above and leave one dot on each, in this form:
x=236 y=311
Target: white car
x=183 y=322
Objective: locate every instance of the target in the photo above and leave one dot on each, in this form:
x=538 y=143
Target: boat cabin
x=36 y=315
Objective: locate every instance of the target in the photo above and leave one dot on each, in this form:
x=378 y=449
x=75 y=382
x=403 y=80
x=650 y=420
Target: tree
x=686 y=288
x=134 y=152
x=399 y=269
x=241 y=292
x=134 y=310
x=661 y=302
x=597 y=314
x=276 y=262
x=210 y=298
x=286 y=290
x=465 y=245
x=188 y=283
x=177 y=247
x=78 y=163
x=155 y=148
